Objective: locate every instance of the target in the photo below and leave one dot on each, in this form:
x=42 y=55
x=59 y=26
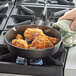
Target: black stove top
x=16 y=15
x=19 y=14
x=53 y=65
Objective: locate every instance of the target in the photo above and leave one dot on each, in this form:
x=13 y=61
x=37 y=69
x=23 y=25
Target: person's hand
x=70 y=15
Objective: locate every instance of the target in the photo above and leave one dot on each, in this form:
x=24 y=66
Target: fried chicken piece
x=40 y=42
x=53 y=40
x=31 y=33
x=19 y=36
x=20 y=43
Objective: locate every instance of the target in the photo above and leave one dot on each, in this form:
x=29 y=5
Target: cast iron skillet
x=30 y=53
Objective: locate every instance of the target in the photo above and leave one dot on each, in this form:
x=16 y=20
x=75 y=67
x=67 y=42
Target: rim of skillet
x=7 y=42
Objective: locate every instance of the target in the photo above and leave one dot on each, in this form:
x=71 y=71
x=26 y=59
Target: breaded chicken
x=19 y=36
x=20 y=43
x=31 y=33
x=53 y=40
x=40 y=42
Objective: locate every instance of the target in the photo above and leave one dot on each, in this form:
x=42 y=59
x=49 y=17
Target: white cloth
x=69 y=36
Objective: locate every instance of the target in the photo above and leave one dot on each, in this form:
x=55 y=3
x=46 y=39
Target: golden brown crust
x=19 y=36
x=40 y=42
x=31 y=33
x=20 y=43
x=53 y=40
x=39 y=39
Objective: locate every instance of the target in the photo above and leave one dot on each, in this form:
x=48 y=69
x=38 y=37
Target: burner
x=54 y=60
x=21 y=60
x=36 y=61
x=45 y=61
x=25 y=61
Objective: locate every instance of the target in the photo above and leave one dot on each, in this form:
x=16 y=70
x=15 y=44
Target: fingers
x=65 y=18
x=73 y=24
x=61 y=18
x=70 y=15
x=69 y=18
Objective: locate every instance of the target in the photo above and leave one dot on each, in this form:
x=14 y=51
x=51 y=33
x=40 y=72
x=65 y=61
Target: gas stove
x=53 y=66
x=25 y=12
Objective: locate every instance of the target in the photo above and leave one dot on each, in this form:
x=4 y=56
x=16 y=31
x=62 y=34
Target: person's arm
x=70 y=15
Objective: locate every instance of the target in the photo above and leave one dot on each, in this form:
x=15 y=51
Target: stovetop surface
x=14 y=16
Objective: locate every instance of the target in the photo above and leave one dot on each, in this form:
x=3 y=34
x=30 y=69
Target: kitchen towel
x=68 y=35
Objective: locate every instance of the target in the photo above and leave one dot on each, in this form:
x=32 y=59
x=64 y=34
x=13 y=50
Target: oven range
x=25 y=12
